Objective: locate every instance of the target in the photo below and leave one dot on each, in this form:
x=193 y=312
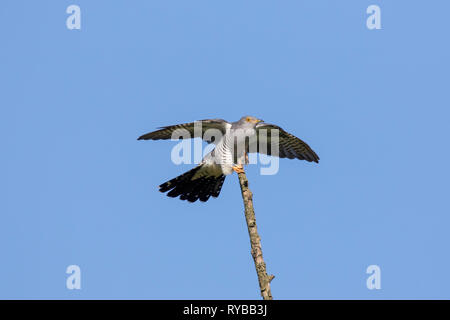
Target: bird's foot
x=238 y=169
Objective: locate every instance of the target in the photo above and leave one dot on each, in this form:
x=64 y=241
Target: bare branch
x=255 y=241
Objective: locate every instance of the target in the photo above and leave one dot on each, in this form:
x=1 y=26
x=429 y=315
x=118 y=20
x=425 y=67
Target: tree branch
x=255 y=241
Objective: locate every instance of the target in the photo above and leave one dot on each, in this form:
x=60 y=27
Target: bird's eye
x=247 y=119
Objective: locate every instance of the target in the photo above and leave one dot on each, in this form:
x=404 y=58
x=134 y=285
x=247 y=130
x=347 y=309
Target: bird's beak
x=259 y=120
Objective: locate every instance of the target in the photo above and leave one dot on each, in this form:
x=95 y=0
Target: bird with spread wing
x=233 y=141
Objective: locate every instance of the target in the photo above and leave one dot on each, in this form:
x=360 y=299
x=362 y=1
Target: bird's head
x=249 y=120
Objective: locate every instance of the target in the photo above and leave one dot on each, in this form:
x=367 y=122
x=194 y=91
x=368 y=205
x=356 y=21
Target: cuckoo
x=233 y=141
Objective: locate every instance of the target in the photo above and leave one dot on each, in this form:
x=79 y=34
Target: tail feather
x=218 y=186
x=207 y=190
x=201 y=188
x=166 y=186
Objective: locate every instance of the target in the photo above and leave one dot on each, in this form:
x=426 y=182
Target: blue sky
x=77 y=188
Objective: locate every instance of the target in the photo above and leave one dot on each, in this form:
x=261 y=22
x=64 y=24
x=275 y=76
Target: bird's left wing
x=195 y=129
x=288 y=145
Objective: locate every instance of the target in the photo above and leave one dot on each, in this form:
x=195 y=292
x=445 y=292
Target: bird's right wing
x=206 y=129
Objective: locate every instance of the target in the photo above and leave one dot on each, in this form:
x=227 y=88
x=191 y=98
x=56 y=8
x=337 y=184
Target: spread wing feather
x=286 y=146
x=190 y=130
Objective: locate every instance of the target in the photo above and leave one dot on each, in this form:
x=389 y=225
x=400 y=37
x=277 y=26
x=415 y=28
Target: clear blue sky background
x=77 y=188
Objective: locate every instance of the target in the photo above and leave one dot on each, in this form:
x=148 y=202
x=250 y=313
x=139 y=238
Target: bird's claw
x=238 y=169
